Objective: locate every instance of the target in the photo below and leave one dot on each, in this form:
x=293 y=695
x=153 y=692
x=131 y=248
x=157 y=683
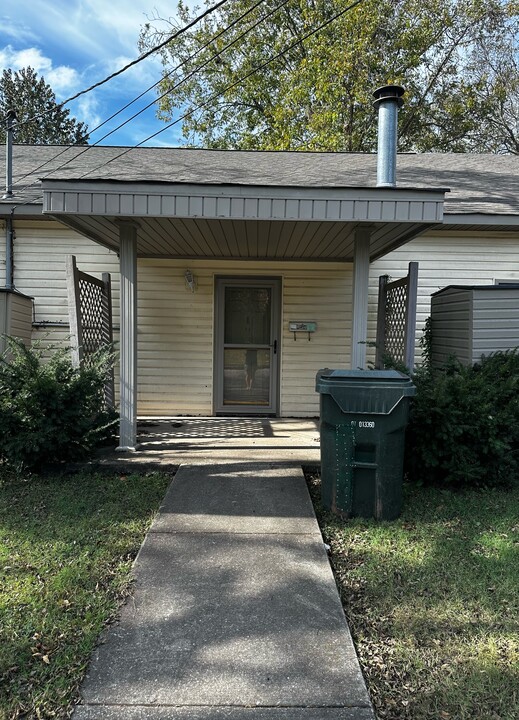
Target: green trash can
x=364 y=414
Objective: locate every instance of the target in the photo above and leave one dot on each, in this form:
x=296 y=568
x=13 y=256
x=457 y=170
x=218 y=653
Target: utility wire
x=133 y=62
x=188 y=76
x=229 y=87
x=256 y=69
x=185 y=61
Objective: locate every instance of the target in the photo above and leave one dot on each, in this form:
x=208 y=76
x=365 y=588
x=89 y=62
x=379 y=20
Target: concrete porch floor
x=219 y=439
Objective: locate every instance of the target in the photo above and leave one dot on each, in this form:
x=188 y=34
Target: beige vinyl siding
x=176 y=335
x=175 y=339
x=40 y=251
x=320 y=293
x=458 y=258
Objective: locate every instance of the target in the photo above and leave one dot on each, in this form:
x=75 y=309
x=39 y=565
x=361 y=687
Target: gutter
x=9 y=248
x=9 y=224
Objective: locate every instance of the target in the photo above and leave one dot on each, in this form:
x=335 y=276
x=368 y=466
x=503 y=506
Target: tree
x=456 y=59
x=40 y=119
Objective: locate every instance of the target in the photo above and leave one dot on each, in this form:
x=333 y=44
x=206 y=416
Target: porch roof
x=239 y=222
x=280 y=205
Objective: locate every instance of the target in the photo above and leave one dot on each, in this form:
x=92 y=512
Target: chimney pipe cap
x=389 y=93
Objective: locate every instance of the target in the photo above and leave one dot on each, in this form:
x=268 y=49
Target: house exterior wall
x=176 y=332
x=175 y=326
x=457 y=258
x=40 y=251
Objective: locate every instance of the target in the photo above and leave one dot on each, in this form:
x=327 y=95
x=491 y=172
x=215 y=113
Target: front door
x=247 y=345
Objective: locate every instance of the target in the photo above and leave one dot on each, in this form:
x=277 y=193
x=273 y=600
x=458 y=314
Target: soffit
x=281 y=223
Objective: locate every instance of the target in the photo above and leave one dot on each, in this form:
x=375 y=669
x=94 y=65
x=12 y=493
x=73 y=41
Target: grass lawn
x=66 y=550
x=433 y=603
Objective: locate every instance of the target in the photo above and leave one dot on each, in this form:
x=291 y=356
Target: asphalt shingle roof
x=478 y=183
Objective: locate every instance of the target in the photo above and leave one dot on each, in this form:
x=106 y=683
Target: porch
x=364 y=225
x=178 y=440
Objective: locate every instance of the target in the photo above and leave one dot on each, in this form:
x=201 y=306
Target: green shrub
x=464 y=423
x=50 y=411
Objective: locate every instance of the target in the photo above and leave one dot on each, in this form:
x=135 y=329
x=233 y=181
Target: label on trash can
x=365 y=424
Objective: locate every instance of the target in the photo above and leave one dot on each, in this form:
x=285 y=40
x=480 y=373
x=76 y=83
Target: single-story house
x=237 y=275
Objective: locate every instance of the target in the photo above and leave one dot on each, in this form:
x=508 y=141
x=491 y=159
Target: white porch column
x=128 y=337
x=360 y=298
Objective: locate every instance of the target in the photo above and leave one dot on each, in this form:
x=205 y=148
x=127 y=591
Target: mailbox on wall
x=304 y=326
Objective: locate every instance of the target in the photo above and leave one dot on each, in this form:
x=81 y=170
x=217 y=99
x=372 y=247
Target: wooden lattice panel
x=396 y=319
x=91 y=313
x=395 y=322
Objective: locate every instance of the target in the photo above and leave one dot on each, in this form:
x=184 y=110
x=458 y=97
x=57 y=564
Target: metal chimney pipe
x=387 y=100
x=11 y=117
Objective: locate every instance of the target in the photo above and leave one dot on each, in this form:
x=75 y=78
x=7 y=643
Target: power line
x=232 y=85
x=256 y=69
x=133 y=62
x=184 y=79
x=186 y=60
x=195 y=70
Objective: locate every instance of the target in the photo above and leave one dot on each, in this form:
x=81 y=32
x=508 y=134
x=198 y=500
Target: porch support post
x=360 y=298
x=128 y=337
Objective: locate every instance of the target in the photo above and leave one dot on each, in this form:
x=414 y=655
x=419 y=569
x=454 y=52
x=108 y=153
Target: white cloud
x=18 y=31
x=96 y=29
x=76 y=43
x=86 y=109
x=62 y=78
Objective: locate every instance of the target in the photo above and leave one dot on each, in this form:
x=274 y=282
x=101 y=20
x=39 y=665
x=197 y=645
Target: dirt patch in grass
x=67 y=544
x=432 y=602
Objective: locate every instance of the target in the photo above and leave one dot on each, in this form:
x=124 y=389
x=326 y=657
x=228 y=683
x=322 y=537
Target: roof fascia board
x=479 y=219
x=33 y=210
x=245 y=191
x=243 y=203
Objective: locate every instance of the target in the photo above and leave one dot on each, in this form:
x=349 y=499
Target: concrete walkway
x=235 y=613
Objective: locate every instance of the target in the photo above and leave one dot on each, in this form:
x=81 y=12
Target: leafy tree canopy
x=40 y=119
x=457 y=59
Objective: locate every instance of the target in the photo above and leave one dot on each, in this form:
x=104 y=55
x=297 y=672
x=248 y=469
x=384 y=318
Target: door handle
x=275 y=346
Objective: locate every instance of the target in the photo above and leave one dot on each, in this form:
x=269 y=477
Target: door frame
x=220 y=283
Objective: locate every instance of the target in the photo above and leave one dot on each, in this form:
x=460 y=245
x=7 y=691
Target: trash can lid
x=364 y=376
x=375 y=392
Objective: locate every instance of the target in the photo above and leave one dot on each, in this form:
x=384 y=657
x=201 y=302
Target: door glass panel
x=247 y=315
x=246 y=376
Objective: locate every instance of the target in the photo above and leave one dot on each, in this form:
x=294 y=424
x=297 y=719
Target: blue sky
x=76 y=43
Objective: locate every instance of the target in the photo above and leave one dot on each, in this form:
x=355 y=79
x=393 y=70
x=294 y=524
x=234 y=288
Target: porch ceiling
x=236 y=222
